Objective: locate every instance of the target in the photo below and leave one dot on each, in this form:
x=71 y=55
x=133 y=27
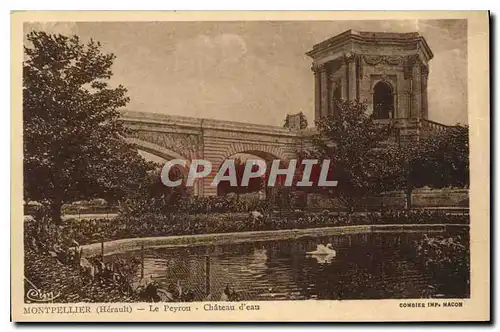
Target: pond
x=366 y=266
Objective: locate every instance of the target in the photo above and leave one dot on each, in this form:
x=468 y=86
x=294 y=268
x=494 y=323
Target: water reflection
x=368 y=266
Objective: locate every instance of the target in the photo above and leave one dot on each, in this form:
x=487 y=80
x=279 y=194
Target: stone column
x=404 y=105
x=359 y=76
x=317 y=93
x=324 y=89
x=425 y=105
x=344 y=85
x=416 y=86
x=351 y=76
x=333 y=86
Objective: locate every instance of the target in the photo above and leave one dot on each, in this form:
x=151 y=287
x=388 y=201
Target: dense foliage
x=355 y=146
x=69 y=284
x=445 y=158
x=440 y=160
x=366 y=161
x=199 y=205
x=448 y=260
x=73 y=141
x=147 y=225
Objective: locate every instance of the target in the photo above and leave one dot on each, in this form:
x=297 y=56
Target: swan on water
x=323 y=250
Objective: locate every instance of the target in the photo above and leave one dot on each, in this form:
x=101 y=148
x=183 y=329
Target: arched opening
x=160 y=155
x=383 y=101
x=257 y=187
x=176 y=172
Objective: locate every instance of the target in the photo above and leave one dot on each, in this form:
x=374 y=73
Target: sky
x=254 y=72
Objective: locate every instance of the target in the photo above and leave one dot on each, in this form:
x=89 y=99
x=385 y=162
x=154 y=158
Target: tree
x=445 y=157
x=405 y=175
x=154 y=196
x=441 y=160
x=437 y=161
x=357 y=149
x=73 y=139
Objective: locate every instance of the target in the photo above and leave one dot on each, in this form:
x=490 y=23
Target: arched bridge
x=178 y=137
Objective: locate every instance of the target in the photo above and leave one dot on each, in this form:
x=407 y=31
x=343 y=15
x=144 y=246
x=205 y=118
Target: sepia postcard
x=250 y=166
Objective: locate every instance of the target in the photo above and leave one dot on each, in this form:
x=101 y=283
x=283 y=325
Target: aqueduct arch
x=267 y=152
x=155 y=149
x=161 y=152
x=176 y=137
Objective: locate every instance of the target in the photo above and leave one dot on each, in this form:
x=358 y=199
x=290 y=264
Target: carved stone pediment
x=175 y=141
x=393 y=60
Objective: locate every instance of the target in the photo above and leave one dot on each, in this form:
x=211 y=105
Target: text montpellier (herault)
x=70 y=310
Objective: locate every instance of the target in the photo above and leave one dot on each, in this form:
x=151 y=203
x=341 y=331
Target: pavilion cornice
x=372 y=38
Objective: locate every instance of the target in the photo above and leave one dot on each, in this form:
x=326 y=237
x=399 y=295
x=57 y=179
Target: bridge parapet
x=202 y=124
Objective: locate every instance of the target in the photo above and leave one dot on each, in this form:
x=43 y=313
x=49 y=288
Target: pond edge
x=179 y=241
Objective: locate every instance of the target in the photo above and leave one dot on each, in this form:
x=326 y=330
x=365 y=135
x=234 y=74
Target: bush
x=447 y=259
x=154 y=224
x=196 y=205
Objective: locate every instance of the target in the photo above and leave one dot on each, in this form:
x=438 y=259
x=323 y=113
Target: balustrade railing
x=433 y=126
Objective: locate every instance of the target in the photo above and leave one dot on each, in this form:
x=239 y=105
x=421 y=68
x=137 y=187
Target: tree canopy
x=356 y=148
x=444 y=159
x=439 y=160
x=366 y=161
x=73 y=139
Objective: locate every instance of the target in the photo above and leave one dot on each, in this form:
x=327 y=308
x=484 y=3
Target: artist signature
x=35 y=294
